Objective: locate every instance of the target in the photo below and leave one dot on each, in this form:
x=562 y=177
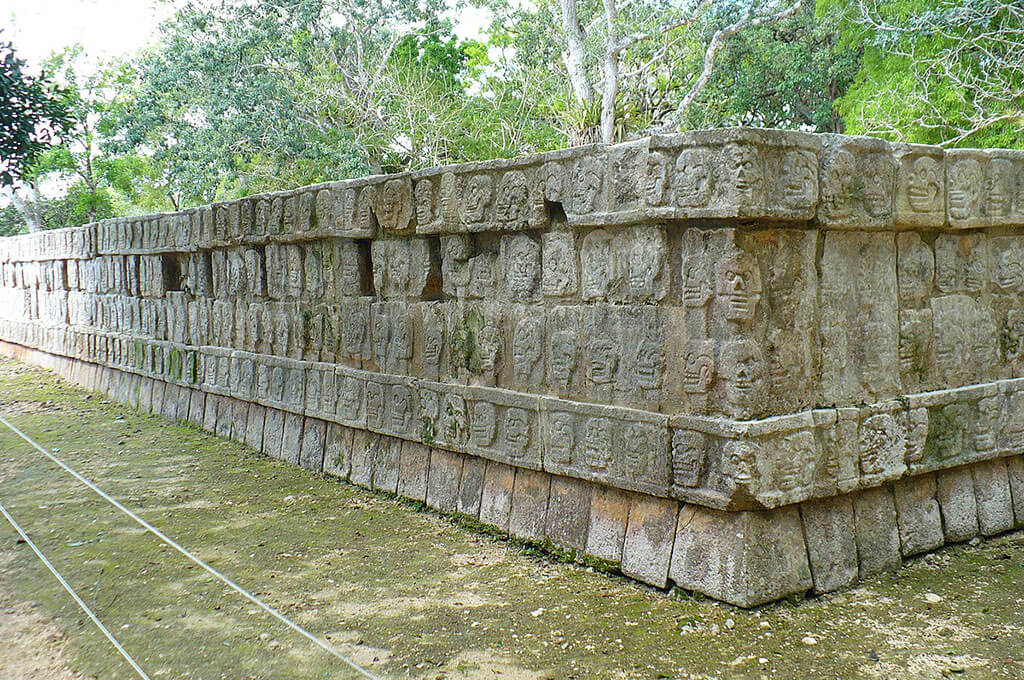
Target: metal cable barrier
x=199 y=562
x=73 y=594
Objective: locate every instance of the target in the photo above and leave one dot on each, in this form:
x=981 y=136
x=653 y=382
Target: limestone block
x=337 y=450
x=209 y=408
x=393 y=205
x=496 y=497
x=504 y=426
x=311 y=451
x=365 y=451
x=291 y=438
x=828 y=525
x=965 y=338
x=273 y=431
x=471 y=483
x=529 y=504
x=521 y=258
x=239 y=419
x=413 y=464
x=647 y=545
x=992 y=492
x=560 y=276
x=918 y=515
x=385 y=473
x=857 y=177
x=732 y=173
x=745 y=558
x=955 y=493
x=254 y=426
x=878 y=538
x=858 y=281
x=568 y=515
x=920 y=186
x=616 y=446
x=443 y=480
x=1015 y=470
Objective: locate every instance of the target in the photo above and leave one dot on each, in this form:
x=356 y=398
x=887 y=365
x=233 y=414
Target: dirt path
x=407 y=592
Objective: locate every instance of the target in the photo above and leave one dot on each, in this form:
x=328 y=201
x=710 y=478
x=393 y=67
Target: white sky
x=112 y=28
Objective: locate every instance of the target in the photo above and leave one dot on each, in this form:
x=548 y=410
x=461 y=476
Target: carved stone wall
x=734 y=320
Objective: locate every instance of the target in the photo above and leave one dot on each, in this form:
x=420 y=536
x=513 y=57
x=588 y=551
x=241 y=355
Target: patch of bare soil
x=33 y=647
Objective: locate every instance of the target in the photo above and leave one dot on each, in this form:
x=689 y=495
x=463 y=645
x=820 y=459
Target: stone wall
x=744 y=331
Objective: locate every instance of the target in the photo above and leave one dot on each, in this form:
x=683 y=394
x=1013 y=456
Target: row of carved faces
x=77 y=242
x=46 y=275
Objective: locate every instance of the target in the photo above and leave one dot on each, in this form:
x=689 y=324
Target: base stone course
x=528 y=512
x=413 y=466
x=496 y=497
x=443 y=481
x=1015 y=472
x=918 y=516
x=647 y=544
x=829 y=527
x=878 y=537
x=568 y=516
x=609 y=513
x=338 y=451
x=992 y=492
x=471 y=486
x=311 y=453
x=955 y=493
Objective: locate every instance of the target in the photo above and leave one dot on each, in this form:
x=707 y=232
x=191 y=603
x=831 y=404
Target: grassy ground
x=405 y=591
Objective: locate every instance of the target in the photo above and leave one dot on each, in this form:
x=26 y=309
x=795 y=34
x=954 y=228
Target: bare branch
x=575 y=54
x=747 y=22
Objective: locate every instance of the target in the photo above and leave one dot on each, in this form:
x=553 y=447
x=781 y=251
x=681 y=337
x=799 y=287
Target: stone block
x=225 y=416
x=745 y=558
x=239 y=419
x=568 y=517
x=365 y=451
x=443 y=480
x=156 y=405
x=529 y=504
x=210 y=412
x=918 y=515
x=496 y=497
x=273 y=431
x=1015 y=470
x=413 y=466
x=311 y=452
x=647 y=546
x=196 y=407
x=337 y=450
x=878 y=537
x=955 y=493
x=254 y=427
x=609 y=513
x=992 y=492
x=385 y=472
x=291 y=438
x=831 y=542
x=471 y=485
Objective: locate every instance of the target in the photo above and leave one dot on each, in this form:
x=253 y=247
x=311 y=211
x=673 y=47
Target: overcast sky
x=110 y=28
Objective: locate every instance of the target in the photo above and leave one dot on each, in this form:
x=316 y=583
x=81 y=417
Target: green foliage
x=33 y=114
x=947 y=72
x=784 y=75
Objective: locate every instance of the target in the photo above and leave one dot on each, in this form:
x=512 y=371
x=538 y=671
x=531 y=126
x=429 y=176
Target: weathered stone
x=992 y=492
x=385 y=473
x=496 y=498
x=337 y=450
x=254 y=426
x=769 y=562
x=568 y=515
x=955 y=493
x=291 y=438
x=647 y=545
x=471 y=483
x=273 y=431
x=443 y=480
x=1015 y=470
x=311 y=452
x=831 y=542
x=529 y=504
x=918 y=515
x=878 y=537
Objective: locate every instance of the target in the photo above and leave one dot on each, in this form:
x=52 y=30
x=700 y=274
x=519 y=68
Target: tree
x=789 y=74
x=659 y=30
x=947 y=72
x=33 y=114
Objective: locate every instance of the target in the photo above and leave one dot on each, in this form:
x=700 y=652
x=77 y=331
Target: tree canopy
x=238 y=97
